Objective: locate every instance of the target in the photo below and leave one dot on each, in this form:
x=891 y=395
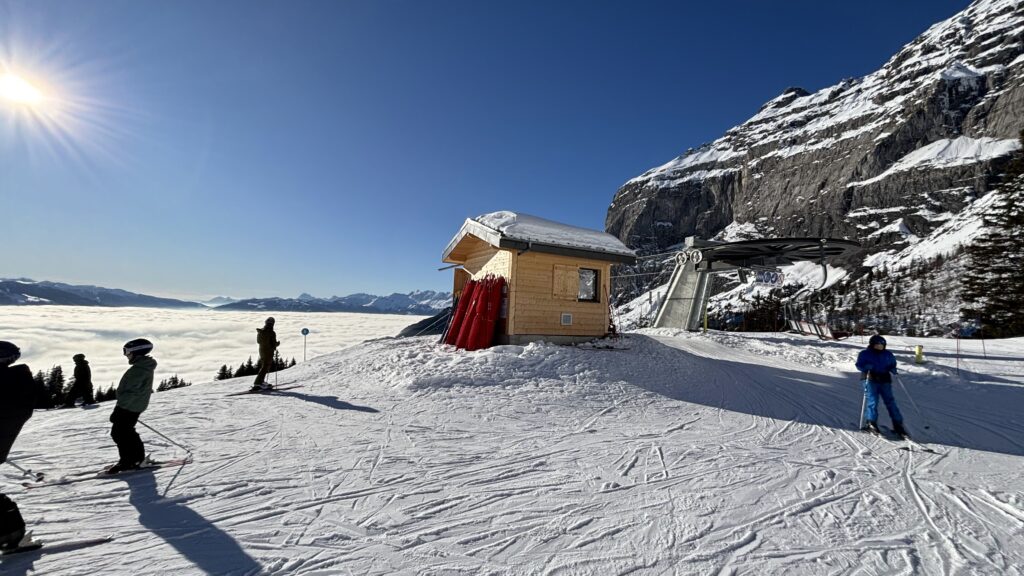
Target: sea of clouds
x=190 y=343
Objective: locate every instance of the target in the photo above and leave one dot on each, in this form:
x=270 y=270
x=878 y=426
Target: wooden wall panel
x=542 y=285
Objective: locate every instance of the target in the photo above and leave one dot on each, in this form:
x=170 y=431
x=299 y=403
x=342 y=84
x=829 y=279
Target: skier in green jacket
x=133 y=394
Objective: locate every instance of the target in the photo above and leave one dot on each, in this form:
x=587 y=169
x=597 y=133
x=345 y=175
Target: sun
x=19 y=91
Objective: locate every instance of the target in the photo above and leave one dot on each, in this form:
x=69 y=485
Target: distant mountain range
x=425 y=302
x=218 y=301
x=26 y=292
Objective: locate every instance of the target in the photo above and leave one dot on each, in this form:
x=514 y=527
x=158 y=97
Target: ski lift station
x=690 y=286
x=557 y=276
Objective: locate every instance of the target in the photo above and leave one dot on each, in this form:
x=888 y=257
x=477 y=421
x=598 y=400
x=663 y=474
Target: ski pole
x=158 y=433
x=907 y=392
x=38 y=475
x=863 y=400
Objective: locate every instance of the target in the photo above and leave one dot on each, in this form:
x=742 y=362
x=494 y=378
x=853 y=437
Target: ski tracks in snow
x=640 y=468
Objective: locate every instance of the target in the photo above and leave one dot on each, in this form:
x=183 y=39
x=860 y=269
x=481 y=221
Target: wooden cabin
x=559 y=276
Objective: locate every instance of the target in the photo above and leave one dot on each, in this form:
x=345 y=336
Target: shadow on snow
x=329 y=401
x=197 y=539
x=974 y=415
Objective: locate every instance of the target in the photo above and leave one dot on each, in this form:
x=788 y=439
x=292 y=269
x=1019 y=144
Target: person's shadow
x=194 y=537
x=329 y=401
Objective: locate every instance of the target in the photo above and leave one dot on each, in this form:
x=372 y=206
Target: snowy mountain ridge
x=420 y=302
x=905 y=160
x=923 y=134
x=25 y=292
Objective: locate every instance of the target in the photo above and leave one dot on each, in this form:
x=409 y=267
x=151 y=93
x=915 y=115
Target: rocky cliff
x=882 y=159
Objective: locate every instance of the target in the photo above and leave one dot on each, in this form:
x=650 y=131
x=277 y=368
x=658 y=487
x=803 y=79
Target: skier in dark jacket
x=17 y=400
x=267 y=339
x=877 y=366
x=133 y=392
x=83 y=383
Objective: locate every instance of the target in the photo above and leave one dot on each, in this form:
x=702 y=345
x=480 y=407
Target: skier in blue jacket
x=877 y=366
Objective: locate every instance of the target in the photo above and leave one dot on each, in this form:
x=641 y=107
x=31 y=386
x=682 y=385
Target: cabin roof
x=517 y=231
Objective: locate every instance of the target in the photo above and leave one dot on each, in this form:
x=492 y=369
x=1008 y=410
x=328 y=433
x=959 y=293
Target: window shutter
x=565 y=282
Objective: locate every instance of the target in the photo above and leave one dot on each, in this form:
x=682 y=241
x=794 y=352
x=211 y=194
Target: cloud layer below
x=190 y=343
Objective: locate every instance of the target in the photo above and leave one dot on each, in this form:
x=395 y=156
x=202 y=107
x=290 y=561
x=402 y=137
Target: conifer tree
x=55 y=386
x=224 y=373
x=110 y=394
x=39 y=382
x=993 y=286
x=171 y=383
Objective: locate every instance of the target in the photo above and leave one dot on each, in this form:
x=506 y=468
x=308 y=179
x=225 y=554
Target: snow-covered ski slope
x=672 y=453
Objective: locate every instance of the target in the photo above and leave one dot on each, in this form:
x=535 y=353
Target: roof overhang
x=497 y=240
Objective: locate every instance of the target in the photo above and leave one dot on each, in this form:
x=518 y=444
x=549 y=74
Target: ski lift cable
x=635 y=275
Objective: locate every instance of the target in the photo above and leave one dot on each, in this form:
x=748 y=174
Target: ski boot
x=122 y=467
x=871 y=427
x=899 y=430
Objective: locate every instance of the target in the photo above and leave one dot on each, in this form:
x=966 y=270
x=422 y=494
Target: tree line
x=248 y=368
x=55 y=387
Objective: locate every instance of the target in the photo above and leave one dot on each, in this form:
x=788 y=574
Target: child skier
x=877 y=365
x=133 y=392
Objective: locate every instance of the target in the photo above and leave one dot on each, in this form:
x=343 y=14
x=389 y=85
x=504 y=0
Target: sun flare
x=18 y=90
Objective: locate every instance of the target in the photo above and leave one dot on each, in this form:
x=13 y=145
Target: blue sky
x=248 y=148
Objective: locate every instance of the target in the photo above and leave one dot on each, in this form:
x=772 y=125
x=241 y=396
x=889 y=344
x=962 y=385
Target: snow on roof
x=946 y=153
x=527 y=228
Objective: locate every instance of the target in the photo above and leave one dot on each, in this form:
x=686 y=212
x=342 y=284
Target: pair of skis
x=32 y=545
x=69 y=546
x=103 y=475
x=890 y=436
x=264 y=390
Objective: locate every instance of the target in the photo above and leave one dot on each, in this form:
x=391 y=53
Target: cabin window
x=588 y=291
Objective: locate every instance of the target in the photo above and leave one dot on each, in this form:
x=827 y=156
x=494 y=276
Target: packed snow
x=665 y=452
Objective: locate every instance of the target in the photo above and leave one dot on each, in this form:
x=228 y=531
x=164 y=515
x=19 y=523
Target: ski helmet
x=876 y=339
x=9 y=353
x=78 y=357
x=270 y=321
x=139 y=346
